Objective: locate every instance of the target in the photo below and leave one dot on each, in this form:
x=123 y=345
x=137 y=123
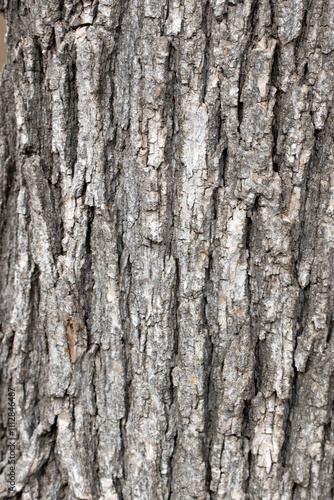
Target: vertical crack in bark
x=37 y=142
x=170 y=466
x=71 y=331
x=164 y=16
x=87 y=276
x=48 y=437
x=247 y=409
x=330 y=321
x=209 y=388
x=223 y=169
x=111 y=65
x=250 y=241
x=118 y=486
x=7 y=188
x=71 y=110
x=276 y=126
x=251 y=34
x=206 y=28
x=125 y=290
x=301 y=241
x=218 y=115
x=273 y=17
x=301 y=39
x=176 y=308
x=301 y=308
x=173 y=400
x=168 y=116
x=207 y=438
x=94 y=352
x=249 y=236
x=33 y=66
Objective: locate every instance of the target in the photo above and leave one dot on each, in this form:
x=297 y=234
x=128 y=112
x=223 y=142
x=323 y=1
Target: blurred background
x=3 y=46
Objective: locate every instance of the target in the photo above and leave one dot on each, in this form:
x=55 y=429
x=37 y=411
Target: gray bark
x=167 y=237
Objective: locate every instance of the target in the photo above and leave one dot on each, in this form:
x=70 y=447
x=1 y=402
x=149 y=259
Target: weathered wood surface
x=167 y=203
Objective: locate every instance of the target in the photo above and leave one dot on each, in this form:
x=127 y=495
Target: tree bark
x=167 y=240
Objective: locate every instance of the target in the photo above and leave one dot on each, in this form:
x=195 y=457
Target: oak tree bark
x=167 y=237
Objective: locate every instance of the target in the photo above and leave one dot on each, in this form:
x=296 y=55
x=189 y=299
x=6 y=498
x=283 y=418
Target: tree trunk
x=167 y=202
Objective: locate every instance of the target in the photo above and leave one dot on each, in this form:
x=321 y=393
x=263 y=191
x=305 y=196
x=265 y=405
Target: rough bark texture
x=167 y=233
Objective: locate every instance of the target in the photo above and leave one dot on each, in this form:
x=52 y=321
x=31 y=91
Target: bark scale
x=167 y=203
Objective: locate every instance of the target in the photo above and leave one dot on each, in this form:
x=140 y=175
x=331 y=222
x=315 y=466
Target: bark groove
x=167 y=242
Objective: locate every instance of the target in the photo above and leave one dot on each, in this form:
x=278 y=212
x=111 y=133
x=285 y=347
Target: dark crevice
x=223 y=168
x=95 y=10
x=289 y=405
x=173 y=400
x=112 y=165
x=164 y=17
x=118 y=488
x=111 y=67
x=249 y=224
x=74 y=28
x=272 y=17
x=301 y=308
x=176 y=309
x=222 y=164
x=71 y=93
x=305 y=73
x=206 y=19
x=293 y=491
x=125 y=274
x=257 y=366
x=61 y=4
x=330 y=328
x=251 y=25
x=49 y=437
x=34 y=295
x=299 y=41
x=327 y=432
x=54 y=193
x=125 y=287
x=247 y=480
x=35 y=346
x=94 y=353
x=246 y=434
x=210 y=410
x=170 y=467
x=72 y=410
x=218 y=114
x=9 y=153
x=10 y=169
x=112 y=180
x=36 y=116
x=119 y=239
x=209 y=348
x=168 y=118
x=249 y=239
x=303 y=237
x=304 y=240
x=246 y=420
x=276 y=110
x=240 y=114
x=87 y=275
